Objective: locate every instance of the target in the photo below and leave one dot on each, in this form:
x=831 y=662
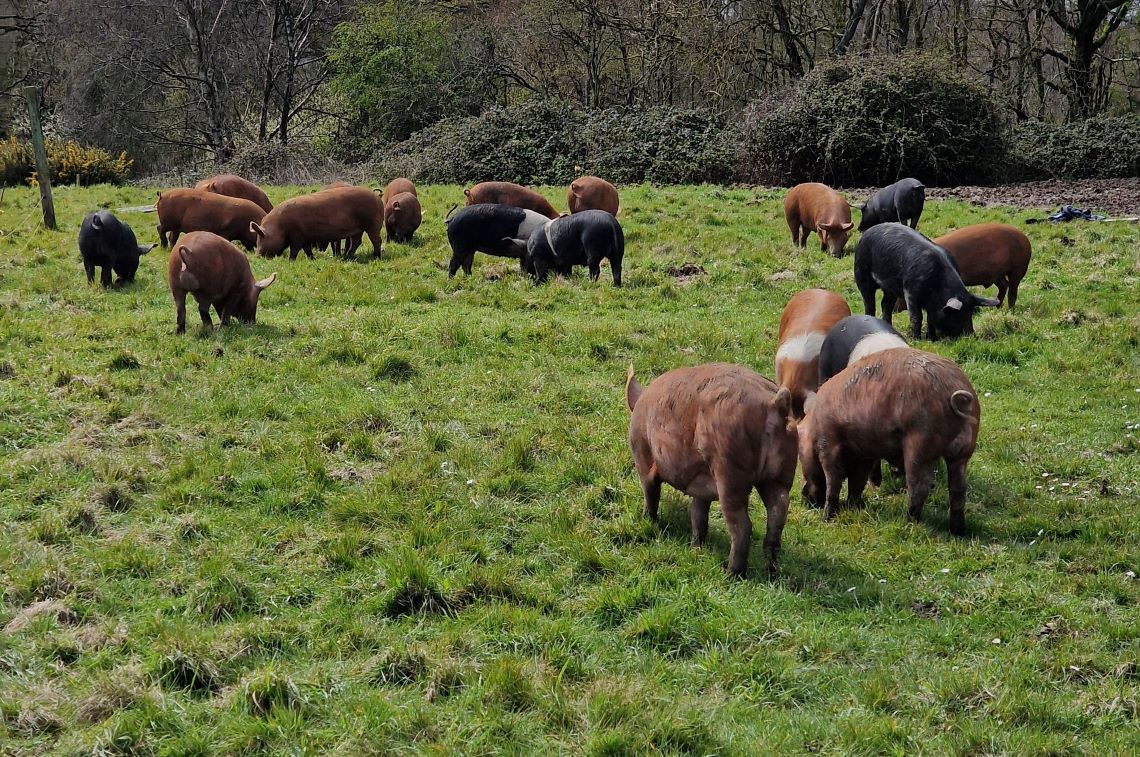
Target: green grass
x=399 y=514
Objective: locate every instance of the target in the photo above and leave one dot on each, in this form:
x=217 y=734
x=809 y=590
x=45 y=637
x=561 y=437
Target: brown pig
x=183 y=210
x=218 y=275
x=506 y=193
x=232 y=185
x=819 y=208
x=715 y=432
x=319 y=219
x=590 y=192
x=903 y=405
x=398 y=187
x=804 y=324
x=988 y=254
x=402 y=216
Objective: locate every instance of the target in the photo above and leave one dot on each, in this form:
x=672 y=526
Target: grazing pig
x=806 y=320
x=904 y=263
x=818 y=208
x=110 y=244
x=988 y=254
x=235 y=186
x=493 y=229
x=854 y=338
x=506 y=193
x=584 y=238
x=588 y=192
x=402 y=216
x=398 y=187
x=352 y=242
x=901 y=202
x=319 y=219
x=183 y=210
x=903 y=405
x=218 y=275
x=715 y=432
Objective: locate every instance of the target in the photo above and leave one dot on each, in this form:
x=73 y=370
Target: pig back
x=329 y=215
x=985 y=252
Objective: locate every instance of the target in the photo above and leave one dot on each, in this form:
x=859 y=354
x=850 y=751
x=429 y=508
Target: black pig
x=901 y=202
x=109 y=243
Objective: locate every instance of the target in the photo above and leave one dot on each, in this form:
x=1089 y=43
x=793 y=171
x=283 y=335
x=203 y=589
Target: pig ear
x=633 y=389
x=396 y=205
x=96 y=222
x=518 y=244
x=953 y=304
x=253 y=226
x=985 y=302
x=782 y=402
x=145 y=248
x=265 y=283
x=848 y=226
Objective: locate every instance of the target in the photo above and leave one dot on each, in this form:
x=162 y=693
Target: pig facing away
x=904 y=263
x=320 y=219
x=854 y=338
x=184 y=210
x=989 y=254
x=501 y=230
x=218 y=275
x=402 y=216
x=590 y=192
x=398 y=187
x=905 y=406
x=506 y=193
x=584 y=238
x=819 y=208
x=804 y=324
x=715 y=432
x=110 y=244
x=901 y=202
x=232 y=185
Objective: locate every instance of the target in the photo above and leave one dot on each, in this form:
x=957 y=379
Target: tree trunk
x=795 y=63
x=852 y=27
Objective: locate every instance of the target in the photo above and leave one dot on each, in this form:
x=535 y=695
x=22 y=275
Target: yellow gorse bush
x=69 y=162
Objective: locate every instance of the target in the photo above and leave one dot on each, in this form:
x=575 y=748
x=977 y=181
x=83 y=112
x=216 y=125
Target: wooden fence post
x=43 y=170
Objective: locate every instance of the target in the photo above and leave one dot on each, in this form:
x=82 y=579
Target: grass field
x=399 y=514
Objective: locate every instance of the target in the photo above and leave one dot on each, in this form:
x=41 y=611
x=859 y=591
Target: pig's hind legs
x=699 y=519
x=651 y=486
x=734 y=507
x=775 y=498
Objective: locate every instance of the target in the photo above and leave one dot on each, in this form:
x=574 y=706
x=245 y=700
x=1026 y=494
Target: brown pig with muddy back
x=590 y=192
x=218 y=275
x=185 y=210
x=903 y=405
x=506 y=193
x=319 y=219
x=819 y=208
x=715 y=432
x=232 y=185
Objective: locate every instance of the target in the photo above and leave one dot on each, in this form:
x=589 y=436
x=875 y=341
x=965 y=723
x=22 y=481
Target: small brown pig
x=232 y=185
x=819 y=208
x=398 y=187
x=319 y=219
x=988 y=254
x=218 y=275
x=402 y=216
x=506 y=193
x=715 y=432
x=183 y=210
x=804 y=324
x=592 y=193
x=903 y=405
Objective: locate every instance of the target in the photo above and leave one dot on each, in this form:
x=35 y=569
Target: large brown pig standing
x=819 y=208
x=232 y=185
x=218 y=275
x=988 y=254
x=804 y=324
x=183 y=210
x=398 y=187
x=715 y=432
x=506 y=193
x=321 y=218
x=402 y=216
x=903 y=405
x=592 y=193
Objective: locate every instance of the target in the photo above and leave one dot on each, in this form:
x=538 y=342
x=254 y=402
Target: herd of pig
x=849 y=392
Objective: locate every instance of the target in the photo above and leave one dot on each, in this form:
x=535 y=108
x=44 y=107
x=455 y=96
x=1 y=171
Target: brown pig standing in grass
x=218 y=275
x=319 y=219
x=232 y=185
x=183 y=210
x=903 y=405
x=990 y=253
x=506 y=193
x=819 y=208
x=804 y=324
x=398 y=187
x=592 y=193
x=402 y=216
x=715 y=432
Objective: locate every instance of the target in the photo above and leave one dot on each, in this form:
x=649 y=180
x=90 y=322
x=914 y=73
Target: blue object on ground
x=1069 y=213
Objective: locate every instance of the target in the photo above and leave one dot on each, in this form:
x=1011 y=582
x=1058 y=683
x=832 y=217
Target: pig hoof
x=829 y=512
x=958 y=526
x=915 y=515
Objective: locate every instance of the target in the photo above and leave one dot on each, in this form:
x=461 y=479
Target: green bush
x=861 y=121
x=547 y=142
x=68 y=161
x=1099 y=148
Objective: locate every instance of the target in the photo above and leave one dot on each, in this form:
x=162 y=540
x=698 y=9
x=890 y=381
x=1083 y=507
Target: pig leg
x=294 y=248
x=699 y=519
x=857 y=482
x=174 y=236
x=615 y=268
x=915 y=313
x=180 y=311
x=834 y=474
x=652 y=489
x=161 y=235
x=468 y=262
x=336 y=248
x=456 y=260
x=775 y=498
x=204 y=311
x=1002 y=284
x=734 y=506
x=919 y=478
x=595 y=266
x=956 y=478
x=90 y=271
x=308 y=248
x=105 y=276
x=374 y=238
x=1013 y=284
x=794 y=227
x=890 y=304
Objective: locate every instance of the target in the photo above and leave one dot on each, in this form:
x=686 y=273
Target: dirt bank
x=1111 y=197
